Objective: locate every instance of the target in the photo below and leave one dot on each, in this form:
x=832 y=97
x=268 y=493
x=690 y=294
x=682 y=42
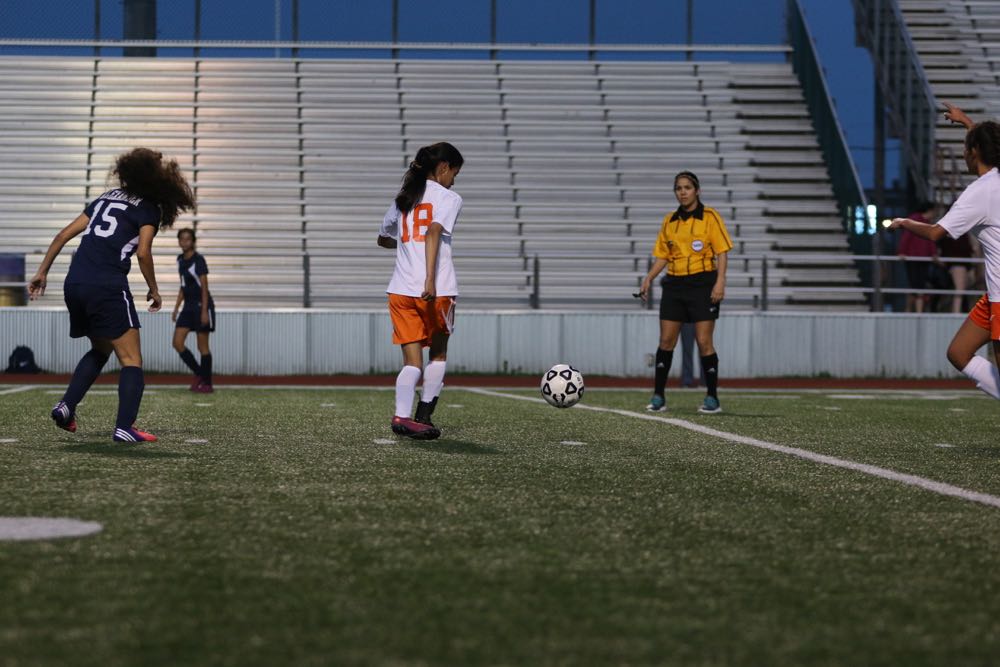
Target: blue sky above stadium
x=848 y=67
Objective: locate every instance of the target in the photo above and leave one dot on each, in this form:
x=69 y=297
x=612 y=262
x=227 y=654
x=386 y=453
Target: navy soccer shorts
x=190 y=318
x=99 y=311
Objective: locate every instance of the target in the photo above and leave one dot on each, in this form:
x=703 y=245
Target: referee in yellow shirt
x=692 y=247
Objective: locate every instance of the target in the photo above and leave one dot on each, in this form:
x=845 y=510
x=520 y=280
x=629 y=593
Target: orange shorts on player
x=416 y=321
x=986 y=315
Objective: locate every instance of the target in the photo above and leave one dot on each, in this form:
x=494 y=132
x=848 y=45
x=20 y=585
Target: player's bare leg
x=962 y=355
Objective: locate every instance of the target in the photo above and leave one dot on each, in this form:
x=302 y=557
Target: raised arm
x=36 y=287
x=956 y=115
x=144 y=254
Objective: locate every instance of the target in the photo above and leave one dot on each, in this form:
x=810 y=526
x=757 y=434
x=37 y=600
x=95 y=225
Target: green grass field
x=298 y=530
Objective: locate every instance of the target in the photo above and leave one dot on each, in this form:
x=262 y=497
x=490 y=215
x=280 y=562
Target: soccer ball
x=562 y=386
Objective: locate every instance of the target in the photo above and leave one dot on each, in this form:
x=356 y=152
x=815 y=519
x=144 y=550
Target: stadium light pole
x=97 y=26
x=493 y=28
x=197 y=26
x=593 y=28
x=139 y=22
x=879 y=196
x=690 y=29
x=395 y=27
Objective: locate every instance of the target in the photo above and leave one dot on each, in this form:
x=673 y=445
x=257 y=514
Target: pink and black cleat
x=63 y=418
x=132 y=434
x=414 y=429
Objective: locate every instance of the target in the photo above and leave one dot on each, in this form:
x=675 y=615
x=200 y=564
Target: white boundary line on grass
x=15 y=390
x=875 y=471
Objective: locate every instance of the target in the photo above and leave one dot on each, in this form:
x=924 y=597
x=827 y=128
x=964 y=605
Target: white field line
x=15 y=390
x=875 y=471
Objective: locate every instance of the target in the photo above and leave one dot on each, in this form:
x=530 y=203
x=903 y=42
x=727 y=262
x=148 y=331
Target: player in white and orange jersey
x=976 y=211
x=423 y=289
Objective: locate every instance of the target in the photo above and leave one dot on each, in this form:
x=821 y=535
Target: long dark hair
x=985 y=138
x=424 y=164
x=142 y=172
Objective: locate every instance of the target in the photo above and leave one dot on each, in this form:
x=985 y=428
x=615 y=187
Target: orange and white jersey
x=439 y=205
x=977 y=211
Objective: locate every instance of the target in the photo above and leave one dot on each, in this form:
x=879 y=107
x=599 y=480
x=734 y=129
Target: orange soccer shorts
x=986 y=315
x=416 y=321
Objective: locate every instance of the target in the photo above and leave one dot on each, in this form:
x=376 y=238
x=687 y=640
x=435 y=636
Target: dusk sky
x=848 y=67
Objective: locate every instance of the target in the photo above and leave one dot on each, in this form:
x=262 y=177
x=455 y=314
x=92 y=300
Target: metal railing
x=844 y=178
x=881 y=29
x=394 y=47
x=762 y=264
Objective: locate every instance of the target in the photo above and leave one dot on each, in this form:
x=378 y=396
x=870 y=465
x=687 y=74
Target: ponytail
x=424 y=164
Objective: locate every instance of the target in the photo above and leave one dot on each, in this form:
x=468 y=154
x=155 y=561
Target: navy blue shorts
x=190 y=318
x=99 y=311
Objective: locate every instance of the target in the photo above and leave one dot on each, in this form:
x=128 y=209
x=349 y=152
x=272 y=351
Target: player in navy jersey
x=198 y=314
x=150 y=194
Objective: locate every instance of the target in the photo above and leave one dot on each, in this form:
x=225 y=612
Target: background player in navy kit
x=198 y=314
x=117 y=224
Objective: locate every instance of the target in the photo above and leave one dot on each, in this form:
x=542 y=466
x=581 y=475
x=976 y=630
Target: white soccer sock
x=406 y=387
x=985 y=375
x=433 y=381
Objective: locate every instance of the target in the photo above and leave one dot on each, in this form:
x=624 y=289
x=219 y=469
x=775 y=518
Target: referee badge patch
x=697 y=245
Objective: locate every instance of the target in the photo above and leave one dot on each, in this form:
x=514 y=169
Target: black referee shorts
x=689 y=298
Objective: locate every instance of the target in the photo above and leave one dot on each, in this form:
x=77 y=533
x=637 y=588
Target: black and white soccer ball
x=562 y=386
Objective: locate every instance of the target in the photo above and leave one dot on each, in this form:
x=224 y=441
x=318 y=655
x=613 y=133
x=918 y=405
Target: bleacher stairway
x=958 y=43
x=295 y=161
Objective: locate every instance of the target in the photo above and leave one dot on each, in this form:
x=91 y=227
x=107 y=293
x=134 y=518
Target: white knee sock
x=985 y=375
x=406 y=387
x=433 y=381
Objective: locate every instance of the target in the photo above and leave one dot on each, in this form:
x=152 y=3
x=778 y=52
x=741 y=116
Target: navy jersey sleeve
x=200 y=265
x=148 y=214
x=89 y=209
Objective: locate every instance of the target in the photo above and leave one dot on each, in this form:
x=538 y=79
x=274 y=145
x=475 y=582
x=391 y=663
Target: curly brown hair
x=985 y=138
x=142 y=172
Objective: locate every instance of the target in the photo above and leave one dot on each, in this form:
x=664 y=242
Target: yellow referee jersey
x=691 y=240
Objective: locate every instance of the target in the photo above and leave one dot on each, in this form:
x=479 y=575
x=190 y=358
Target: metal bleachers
x=294 y=162
x=958 y=43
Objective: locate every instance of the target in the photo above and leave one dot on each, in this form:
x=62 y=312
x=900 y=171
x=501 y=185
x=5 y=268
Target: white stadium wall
x=293 y=341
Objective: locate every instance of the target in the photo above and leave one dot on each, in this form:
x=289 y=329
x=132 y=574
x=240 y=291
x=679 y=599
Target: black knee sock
x=663 y=360
x=189 y=361
x=86 y=372
x=130 y=386
x=206 y=368
x=710 y=367
x=425 y=410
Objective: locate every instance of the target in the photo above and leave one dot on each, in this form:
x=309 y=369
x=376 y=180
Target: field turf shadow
x=122 y=450
x=446 y=446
